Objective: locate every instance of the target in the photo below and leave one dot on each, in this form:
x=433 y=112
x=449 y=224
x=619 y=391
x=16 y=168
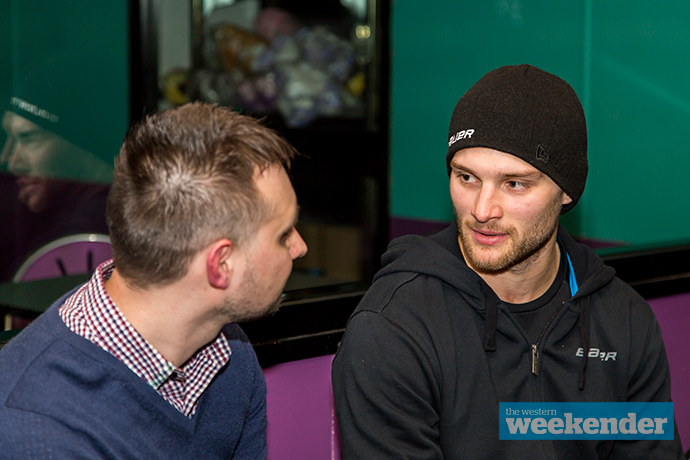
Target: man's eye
x=515 y=185
x=286 y=235
x=32 y=137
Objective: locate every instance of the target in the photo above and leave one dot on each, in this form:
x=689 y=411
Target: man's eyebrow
x=26 y=132
x=517 y=174
x=295 y=219
x=454 y=165
x=534 y=175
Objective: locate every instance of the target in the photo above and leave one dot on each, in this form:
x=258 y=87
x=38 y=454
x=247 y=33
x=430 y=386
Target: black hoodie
x=427 y=356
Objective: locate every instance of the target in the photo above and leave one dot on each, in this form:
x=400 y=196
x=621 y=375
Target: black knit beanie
x=529 y=113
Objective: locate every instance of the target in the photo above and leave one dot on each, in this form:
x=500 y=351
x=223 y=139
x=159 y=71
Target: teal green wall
x=71 y=56
x=629 y=63
x=5 y=56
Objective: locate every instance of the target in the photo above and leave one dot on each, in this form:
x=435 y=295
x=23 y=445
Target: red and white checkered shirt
x=91 y=313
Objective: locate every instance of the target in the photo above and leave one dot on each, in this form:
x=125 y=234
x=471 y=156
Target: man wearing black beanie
x=503 y=306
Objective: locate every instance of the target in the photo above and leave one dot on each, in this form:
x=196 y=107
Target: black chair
x=6 y=336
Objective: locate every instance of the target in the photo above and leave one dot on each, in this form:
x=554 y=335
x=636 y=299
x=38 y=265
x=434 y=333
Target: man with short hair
x=146 y=359
x=503 y=305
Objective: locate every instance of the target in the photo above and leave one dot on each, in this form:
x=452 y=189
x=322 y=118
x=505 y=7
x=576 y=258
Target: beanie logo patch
x=464 y=134
x=542 y=155
x=32 y=109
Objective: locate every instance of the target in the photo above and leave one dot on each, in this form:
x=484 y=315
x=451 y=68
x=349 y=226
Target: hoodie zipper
x=535 y=346
x=572 y=281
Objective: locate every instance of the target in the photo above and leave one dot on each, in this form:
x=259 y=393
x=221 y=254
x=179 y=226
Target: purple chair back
x=673 y=315
x=300 y=411
x=71 y=255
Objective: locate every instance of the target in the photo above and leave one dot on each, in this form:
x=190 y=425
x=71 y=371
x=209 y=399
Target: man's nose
x=13 y=155
x=7 y=151
x=18 y=163
x=298 y=248
x=487 y=205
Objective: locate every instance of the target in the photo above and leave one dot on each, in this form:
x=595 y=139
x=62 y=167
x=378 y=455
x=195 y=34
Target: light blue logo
x=622 y=421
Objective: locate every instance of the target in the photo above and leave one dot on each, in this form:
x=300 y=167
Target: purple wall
x=673 y=314
x=300 y=410
x=398 y=226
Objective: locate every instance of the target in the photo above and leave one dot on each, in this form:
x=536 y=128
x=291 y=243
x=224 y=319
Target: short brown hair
x=183 y=179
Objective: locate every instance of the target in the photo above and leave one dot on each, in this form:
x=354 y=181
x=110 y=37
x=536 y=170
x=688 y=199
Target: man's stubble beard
x=244 y=309
x=522 y=253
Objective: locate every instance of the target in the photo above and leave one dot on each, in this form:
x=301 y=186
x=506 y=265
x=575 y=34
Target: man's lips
x=488 y=237
x=27 y=183
x=23 y=181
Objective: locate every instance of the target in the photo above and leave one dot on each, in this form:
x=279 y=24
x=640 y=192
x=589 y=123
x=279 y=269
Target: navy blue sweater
x=61 y=396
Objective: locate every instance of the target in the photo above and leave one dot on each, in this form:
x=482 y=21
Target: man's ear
x=566 y=199
x=219 y=265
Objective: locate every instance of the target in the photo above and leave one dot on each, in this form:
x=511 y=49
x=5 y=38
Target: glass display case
x=301 y=61
x=82 y=71
x=314 y=71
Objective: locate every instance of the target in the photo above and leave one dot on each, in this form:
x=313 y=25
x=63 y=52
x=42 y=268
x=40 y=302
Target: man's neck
x=528 y=280
x=168 y=317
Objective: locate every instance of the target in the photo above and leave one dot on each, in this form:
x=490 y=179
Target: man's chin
x=269 y=310
x=489 y=265
x=274 y=307
x=485 y=259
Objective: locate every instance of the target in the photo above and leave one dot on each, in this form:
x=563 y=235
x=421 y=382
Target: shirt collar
x=91 y=313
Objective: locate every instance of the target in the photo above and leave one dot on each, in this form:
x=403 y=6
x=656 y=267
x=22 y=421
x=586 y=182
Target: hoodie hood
x=440 y=256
